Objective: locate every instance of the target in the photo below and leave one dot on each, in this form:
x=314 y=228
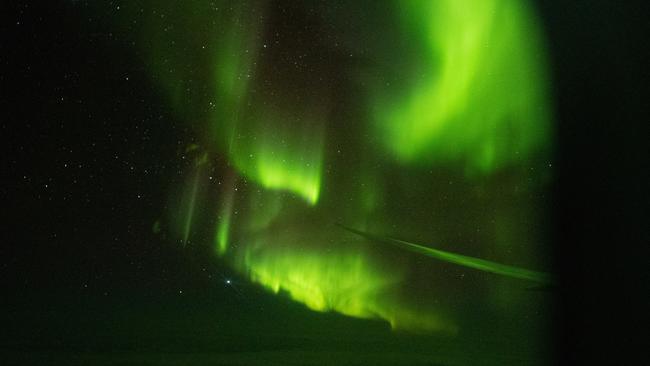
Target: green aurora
x=471 y=108
x=345 y=280
x=477 y=94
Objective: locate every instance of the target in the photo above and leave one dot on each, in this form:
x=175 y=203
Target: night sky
x=316 y=182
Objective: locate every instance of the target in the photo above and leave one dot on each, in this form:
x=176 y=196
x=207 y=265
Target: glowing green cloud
x=476 y=91
x=345 y=281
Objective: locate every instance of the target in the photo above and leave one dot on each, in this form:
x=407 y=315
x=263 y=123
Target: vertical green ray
x=189 y=216
x=225 y=216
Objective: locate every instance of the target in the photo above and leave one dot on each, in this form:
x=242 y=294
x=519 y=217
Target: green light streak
x=224 y=219
x=475 y=95
x=191 y=208
x=223 y=229
x=463 y=260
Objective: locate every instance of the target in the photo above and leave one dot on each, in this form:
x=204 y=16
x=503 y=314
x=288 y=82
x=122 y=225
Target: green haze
x=475 y=93
x=432 y=124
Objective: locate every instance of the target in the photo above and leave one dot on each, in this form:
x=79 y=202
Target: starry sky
x=176 y=174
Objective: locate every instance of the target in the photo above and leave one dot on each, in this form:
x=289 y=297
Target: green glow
x=281 y=150
x=223 y=228
x=233 y=70
x=205 y=55
x=282 y=154
x=476 y=94
x=155 y=228
x=463 y=260
x=467 y=91
x=345 y=281
x=263 y=208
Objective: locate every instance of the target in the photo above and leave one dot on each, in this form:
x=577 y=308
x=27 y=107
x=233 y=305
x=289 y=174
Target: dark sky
x=93 y=152
x=88 y=140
